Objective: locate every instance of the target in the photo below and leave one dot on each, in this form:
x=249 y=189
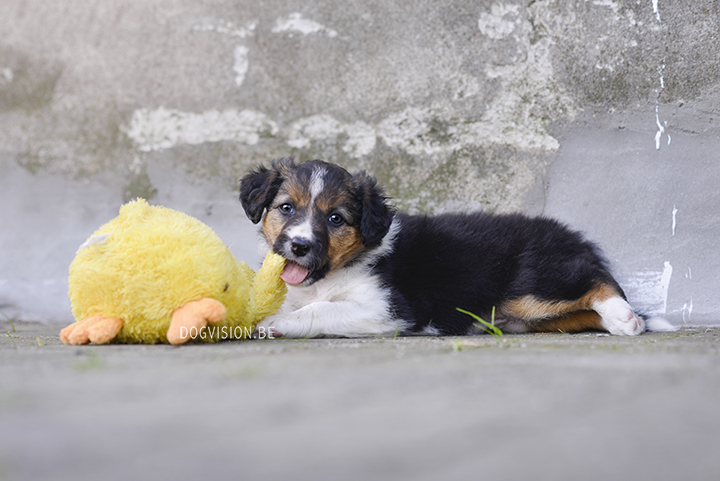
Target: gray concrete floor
x=553 y=406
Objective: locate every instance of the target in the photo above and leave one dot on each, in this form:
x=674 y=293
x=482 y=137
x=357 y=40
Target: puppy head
x=316 y=215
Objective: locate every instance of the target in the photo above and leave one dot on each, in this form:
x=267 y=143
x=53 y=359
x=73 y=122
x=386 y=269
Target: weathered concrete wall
x=602 y=113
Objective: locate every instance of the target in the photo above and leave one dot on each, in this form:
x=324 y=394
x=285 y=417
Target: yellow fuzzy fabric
x=154 y=260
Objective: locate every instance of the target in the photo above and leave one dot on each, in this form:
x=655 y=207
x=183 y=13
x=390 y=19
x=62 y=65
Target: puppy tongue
x=294 y=273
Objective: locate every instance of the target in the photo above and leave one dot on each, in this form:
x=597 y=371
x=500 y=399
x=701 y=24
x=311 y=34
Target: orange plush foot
x=95 y=329
x=188 y=320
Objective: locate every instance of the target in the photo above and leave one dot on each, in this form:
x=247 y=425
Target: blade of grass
x=12 y=324
x=488 y=327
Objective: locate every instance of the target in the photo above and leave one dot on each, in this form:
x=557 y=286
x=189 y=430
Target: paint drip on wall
x=648 y=290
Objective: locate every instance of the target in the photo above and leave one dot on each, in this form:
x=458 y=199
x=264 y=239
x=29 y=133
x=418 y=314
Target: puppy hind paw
x=618 y=318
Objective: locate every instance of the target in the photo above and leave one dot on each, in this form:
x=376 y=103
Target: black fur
x=375 y=215
x=258 y=189
x=477 y=261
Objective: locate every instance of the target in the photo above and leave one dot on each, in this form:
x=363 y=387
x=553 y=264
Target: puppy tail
x=657 y=324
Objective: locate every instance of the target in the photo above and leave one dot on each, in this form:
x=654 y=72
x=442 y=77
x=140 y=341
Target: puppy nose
x=299 y=247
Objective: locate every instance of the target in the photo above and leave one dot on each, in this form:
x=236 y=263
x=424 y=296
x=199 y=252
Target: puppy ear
x=375 y=215
x=259 y=188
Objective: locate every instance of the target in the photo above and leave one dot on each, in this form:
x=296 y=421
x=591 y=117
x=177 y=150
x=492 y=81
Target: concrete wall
x=602 y=113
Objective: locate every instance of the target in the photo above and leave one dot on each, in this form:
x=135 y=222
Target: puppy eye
x=286 y=208
x=336 y=219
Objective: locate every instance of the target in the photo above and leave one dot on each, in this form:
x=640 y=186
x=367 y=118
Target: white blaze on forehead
x=317 y=183
x=304 y=230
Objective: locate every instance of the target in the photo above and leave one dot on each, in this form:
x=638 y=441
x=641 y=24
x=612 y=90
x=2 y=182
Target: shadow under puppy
x=356 y=267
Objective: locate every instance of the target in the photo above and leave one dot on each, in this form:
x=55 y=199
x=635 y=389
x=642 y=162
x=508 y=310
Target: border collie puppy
x=356 y=267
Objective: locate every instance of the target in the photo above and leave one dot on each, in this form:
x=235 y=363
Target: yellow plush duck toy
x=154 y=275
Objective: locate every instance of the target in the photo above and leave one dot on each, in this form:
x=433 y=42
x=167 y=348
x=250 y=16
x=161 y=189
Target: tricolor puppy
x=358 y=268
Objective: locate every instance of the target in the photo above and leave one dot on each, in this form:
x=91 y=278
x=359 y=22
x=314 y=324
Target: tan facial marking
x=345 y=243
x=299 y=194
x=272 y=225
x=291 y=191
x=330 y=203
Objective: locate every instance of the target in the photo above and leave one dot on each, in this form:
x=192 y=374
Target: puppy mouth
x=294 y=273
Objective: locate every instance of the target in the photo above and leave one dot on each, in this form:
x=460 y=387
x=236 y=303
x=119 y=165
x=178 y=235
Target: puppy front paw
x=287 y=326
x=266 y=329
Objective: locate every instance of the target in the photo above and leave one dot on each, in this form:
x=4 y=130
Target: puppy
x=356 y=267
